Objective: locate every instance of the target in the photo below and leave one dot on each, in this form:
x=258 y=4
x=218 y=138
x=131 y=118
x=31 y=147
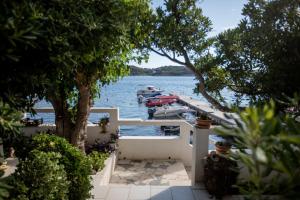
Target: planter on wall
x=203 y=123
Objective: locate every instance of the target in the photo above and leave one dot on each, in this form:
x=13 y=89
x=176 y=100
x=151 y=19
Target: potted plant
x=222 y=147
x=203 y=121
x=103 y=123
x=220 y=175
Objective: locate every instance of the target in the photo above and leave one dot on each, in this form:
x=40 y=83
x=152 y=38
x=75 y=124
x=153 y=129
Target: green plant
x=40 y=177
x=9 y=125
x=97 y=160
x=103 y=123
x=203 y=116
x=4 y=187
x=76 y=164
x=220 y=174
x=269 y=147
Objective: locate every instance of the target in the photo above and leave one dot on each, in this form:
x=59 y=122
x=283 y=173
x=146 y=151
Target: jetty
x=204 y=107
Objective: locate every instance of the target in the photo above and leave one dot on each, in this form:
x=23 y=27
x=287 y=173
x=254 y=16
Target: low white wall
x=157 y=147
x=103 y=177
x=94 y=132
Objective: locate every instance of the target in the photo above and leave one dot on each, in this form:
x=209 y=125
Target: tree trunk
x=62 y=117
x=79 y=135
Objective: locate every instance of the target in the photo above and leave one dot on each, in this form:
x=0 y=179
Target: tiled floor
x=150 y=172
x=151 y=180
x=149 y=192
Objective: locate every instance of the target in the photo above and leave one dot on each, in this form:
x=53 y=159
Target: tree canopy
x=67 y=50
x=261 y=56
x=180 y=33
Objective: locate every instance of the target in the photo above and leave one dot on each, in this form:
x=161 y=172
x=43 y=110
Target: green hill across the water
x=161 y=71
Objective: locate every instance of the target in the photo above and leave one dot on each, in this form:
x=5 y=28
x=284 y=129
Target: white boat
x=150 y=91
x=170 y=111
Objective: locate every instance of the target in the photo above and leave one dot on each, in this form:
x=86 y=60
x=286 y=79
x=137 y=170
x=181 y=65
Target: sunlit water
x=122 y=94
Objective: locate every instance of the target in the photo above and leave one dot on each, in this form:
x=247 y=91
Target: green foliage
x=21 y=38
x=181 y=30
x=181 y=27
x=4 y=187
x=40 y=177
x=97 y=159
x=272 y=157
x=76 y=164
x=9 y=125
x=57 y=49
x=261 y=56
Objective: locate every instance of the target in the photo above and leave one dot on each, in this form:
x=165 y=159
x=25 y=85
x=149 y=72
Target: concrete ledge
x=103 y=177
x=149 y=138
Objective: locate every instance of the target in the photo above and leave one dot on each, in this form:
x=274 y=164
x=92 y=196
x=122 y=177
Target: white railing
x=149 y=147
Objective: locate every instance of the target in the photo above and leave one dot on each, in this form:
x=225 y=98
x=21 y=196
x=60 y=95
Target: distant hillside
x=161 y=71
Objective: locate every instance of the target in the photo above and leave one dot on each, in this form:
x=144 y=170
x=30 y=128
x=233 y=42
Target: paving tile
x=150 y=172
x=160 y=193
x=100 y=192
x=182 y=192
x=118 y=193
x=139 y=193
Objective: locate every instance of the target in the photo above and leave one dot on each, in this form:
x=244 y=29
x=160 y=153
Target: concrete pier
x=204 y=107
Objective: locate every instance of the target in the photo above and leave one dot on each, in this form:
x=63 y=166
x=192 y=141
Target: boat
x=160 y=102
x=168 y=111
x=150 y=91
x=142 y=99
x=167 y=97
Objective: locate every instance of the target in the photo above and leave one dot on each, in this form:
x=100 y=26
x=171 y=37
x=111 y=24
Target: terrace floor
x=151 y=180
x=150 y=172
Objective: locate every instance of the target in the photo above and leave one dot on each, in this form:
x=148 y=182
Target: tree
x=262 y=55
x=22 y=36
x=180 y=30
x=83 y=45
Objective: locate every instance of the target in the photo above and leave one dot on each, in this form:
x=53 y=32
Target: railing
x=149 y=147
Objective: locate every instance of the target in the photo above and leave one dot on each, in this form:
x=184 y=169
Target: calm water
x=122 y=94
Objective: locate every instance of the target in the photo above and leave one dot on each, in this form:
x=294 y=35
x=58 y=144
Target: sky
x=224 y=14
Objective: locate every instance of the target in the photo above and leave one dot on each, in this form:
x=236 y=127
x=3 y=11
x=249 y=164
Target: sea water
x=122 y=94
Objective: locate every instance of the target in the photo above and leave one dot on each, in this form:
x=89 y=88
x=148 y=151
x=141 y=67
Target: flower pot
x=203 y=123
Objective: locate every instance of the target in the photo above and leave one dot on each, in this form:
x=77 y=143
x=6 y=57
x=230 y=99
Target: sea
x=122 y=94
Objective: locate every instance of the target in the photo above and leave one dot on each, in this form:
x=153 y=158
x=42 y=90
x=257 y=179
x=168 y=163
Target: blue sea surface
x=122 y=94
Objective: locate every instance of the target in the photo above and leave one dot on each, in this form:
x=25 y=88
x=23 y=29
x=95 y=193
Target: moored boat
x=150 y=91
x=160 y=102
x=168 y=111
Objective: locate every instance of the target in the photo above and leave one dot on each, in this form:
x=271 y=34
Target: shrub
x=41 y=177
x=274 y=143
x=76 y=164
x=97 y=160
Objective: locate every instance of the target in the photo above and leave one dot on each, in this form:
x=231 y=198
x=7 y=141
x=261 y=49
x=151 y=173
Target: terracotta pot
x=204 y=123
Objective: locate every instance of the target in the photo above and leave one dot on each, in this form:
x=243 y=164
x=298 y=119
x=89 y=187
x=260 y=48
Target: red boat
x=167 y=97
x=160 y=102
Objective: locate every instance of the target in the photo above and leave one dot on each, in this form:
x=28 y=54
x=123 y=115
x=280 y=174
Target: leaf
x=261 y=155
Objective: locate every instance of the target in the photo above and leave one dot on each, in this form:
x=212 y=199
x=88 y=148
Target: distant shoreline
x=160 y=71
x=187 y=75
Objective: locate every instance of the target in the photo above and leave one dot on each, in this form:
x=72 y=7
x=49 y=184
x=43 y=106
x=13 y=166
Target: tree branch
x=163 y=53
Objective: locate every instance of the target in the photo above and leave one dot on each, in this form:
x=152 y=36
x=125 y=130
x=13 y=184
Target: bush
x=41 y=177
x=274 y=143
x=76 y=164
x=97 y=159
